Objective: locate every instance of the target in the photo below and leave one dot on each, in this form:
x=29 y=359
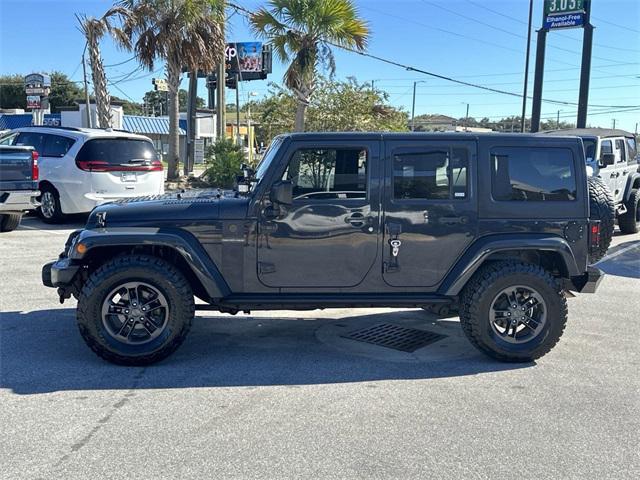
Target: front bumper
x=589 y=282
x=59 y=273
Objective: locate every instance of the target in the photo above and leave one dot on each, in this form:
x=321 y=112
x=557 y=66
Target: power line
x=120 y=63
x=617 y=25
x=436 y=75
x=601 y=45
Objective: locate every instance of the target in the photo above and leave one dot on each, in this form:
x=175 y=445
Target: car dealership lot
x=283 y=394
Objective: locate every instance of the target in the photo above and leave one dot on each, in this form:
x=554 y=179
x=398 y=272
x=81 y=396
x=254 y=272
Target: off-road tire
x=9 y=221
x=481 y=290
x=601 y=207
x=57 y=216
x=154 y=271
x=630 y=221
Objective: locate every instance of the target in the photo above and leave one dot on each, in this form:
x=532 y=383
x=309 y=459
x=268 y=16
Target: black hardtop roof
x=591 y=132
x=413 y=135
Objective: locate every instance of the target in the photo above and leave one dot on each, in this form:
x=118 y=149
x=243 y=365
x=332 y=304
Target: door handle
x=613 y=175
x=358 y=220
x=453 y=220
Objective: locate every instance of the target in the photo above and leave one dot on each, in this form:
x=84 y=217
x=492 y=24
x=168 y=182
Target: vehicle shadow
x=624 y=264
x=71 y=222
x=42 y=351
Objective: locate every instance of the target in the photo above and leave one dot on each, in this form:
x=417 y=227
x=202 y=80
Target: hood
x=171 y=209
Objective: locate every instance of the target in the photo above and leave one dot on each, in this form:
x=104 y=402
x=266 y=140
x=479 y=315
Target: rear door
x=430 y=212
x=121 y=166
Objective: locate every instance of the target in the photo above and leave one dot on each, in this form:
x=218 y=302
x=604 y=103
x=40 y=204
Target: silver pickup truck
x=18 y=184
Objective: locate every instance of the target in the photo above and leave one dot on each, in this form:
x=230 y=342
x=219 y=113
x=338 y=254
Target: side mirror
x=607 y=159
x=281 y=193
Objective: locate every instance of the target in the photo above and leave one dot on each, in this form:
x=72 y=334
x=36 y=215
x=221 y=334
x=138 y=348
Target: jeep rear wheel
x=135 y=310
x=602 y=208
x=514 y=312
x=629 y=222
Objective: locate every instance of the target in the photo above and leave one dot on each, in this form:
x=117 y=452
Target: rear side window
x=432 y=173
x=532 y=174
x=56 y=146
x=31 y=139
x=117 y=151
x=633 y=152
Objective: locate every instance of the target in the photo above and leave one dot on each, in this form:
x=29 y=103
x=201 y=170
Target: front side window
x=532 y=174
x=328 y=173
x=31 y=139
x=437 y=173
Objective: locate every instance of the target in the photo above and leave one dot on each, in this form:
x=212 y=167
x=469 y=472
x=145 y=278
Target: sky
x=477 y=41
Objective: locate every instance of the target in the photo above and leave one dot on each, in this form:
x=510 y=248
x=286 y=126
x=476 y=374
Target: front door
x=430 y=209
x=328 y=237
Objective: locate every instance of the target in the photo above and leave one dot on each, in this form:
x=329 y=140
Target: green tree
x=337 y=106
x=182 y=33
x=302 y=33
x=223 y=160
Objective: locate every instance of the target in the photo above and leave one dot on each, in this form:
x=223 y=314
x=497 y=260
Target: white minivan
x=82 y=167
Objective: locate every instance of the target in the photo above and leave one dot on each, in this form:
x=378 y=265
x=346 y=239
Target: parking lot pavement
x=285 y=395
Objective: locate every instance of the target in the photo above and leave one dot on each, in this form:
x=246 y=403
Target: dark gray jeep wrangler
x=496 y=226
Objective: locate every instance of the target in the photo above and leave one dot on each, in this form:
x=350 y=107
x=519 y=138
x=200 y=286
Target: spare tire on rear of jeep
x=601 y=207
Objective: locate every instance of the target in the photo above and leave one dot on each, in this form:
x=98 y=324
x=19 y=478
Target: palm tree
x=94 y=30
x=302 y=32
x=185 y=34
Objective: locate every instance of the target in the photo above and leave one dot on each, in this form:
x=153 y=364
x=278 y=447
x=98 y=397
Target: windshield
x=269 y=155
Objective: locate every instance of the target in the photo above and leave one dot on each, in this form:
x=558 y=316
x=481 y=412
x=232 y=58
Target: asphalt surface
x=284 y=395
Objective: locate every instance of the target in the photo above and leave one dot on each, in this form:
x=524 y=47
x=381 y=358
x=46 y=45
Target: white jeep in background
x=614 y=177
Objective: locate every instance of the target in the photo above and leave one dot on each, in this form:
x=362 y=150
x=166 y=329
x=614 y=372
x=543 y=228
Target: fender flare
x=631 y=179
x=482 y=248
x=179 y=240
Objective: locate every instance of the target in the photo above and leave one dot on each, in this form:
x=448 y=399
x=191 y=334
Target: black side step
x=311 y=301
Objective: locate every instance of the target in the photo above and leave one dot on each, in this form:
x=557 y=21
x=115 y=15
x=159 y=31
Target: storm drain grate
x=394 y=336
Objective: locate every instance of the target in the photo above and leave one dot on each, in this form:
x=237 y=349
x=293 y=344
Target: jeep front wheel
x=514 y=312
x=135 y=310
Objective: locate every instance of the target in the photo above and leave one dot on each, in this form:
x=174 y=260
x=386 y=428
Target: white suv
x=81 y=167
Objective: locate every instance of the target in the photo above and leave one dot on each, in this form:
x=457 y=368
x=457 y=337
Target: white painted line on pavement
x=619 y=252
x=45 y=230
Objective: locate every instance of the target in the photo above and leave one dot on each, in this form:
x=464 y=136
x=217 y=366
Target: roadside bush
x=223 y=160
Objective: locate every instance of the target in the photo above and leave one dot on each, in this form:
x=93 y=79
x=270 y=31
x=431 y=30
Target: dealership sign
x=563 y=14
x=37 y=87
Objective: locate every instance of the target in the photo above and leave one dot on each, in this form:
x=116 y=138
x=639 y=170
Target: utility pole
x=238 y=139
x=558 y=121
x=466 y=119
x=614 y=123
x=413 y=108
x=86 y=89
x=526 y=66
x=191 y=122
x=585 y=72
x=221 y=113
